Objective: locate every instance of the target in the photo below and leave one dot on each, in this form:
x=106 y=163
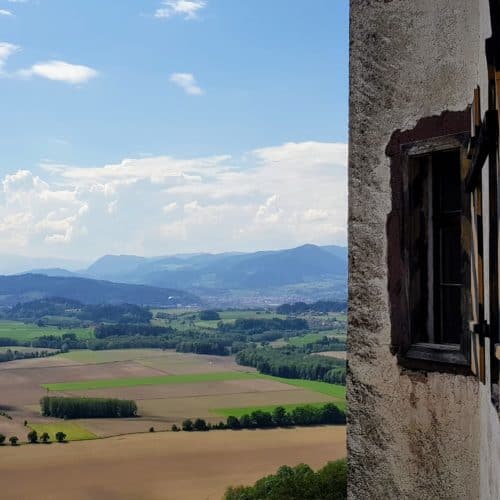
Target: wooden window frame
x=414 y=354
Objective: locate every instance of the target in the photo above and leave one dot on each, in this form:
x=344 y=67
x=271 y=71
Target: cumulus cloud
x=272 y=197
x=6 y=13
x=6 y=50
x=61 y=71
x=187 y=82
x=187 y=8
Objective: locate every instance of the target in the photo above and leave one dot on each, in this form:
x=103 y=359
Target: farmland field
x=173 y=466
x=24 y=332
x=74 y=432
x=167 y=386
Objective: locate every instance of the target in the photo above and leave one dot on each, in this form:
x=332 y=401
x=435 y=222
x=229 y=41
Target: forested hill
x=25 y=287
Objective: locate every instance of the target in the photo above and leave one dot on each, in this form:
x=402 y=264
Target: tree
x=45 y=438
x=60 y=436
x=175 y=428
x=2 y=439
x=33 y=437
x=13 y=440
x=200 y=425
x=187 y=425
x=245 y=421
x=151 y=429
x=281 y=417
x=233 y=422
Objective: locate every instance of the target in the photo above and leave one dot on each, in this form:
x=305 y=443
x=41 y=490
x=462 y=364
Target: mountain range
x=301 y=273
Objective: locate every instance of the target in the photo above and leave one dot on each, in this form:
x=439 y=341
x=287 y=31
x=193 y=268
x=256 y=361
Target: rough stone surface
x=411 y=435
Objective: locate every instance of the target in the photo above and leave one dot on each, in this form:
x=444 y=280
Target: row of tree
x=33 y=438
x=11 y=355
x=287 y=362
x=297 y=483
x=299 y=416
x=322 y=306
x=73 y=407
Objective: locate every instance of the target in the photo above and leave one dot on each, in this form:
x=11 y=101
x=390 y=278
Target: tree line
x=297 y=483
x=303 y=415
x=322 y=306
x=74 y=407
x=288 y=363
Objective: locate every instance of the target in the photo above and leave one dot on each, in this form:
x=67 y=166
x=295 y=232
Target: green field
x=246 y=410
x=155 y=380
x=74 y=432
x=26 y=332
x=309 y=338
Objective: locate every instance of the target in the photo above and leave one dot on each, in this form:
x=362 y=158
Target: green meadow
x=73 y=431
x=25 y=332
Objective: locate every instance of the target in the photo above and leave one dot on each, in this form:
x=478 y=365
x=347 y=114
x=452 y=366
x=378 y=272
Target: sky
x=155 y=127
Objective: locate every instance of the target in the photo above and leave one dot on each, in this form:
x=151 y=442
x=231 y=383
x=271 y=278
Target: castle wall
x=411 y=434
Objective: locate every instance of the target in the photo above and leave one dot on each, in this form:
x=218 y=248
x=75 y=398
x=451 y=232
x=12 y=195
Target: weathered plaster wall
x=411 y=435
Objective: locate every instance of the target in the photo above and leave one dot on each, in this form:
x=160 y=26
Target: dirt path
x=166 y=466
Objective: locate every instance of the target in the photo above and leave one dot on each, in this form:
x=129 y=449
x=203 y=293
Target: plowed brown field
x=161 y=466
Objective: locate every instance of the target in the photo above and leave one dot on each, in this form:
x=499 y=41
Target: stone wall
x=411 y=435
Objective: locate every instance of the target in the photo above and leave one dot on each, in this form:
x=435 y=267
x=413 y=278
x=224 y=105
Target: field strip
x=246 y=410
x=73 y=431
x=336 y=391
x=154 y=380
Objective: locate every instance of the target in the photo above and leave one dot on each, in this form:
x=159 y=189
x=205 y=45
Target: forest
x=73 y=407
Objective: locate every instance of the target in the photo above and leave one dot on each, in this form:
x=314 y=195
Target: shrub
x=187 y=425
x=233 y=422
x=151 y=429
x=13 y=440
x=2 y=439
x=33 y=437
x=209 y=315
x=175 y=428
x=60 y=437
x=45 y=438
x=200 y=425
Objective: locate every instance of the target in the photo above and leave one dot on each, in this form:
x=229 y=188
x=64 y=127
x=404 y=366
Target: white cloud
x=61 y=71
x=272 y=197
x=187 y=8
x=171 y=207
x=5 y=12
x=187 y=82
x=6 y=50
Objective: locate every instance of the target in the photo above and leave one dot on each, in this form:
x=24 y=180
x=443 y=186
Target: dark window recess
x=436 y=262
x=446 y=222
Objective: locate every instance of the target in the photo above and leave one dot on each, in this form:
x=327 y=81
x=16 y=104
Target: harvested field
x=165 y=462
x=177 y=409
x=196 y=387
x=185 y=390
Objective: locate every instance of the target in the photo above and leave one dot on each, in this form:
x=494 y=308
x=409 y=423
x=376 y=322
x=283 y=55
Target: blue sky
x=183 y=101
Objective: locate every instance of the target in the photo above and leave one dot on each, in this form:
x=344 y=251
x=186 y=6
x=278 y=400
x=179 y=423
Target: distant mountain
x=308 y=272
x=26 y=287
x=16 y=264
x=114 y=265
x=56 y=272
x=252 y=271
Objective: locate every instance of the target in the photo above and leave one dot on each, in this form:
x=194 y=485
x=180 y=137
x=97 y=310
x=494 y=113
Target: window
x=435 y=218
x=435 y=226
